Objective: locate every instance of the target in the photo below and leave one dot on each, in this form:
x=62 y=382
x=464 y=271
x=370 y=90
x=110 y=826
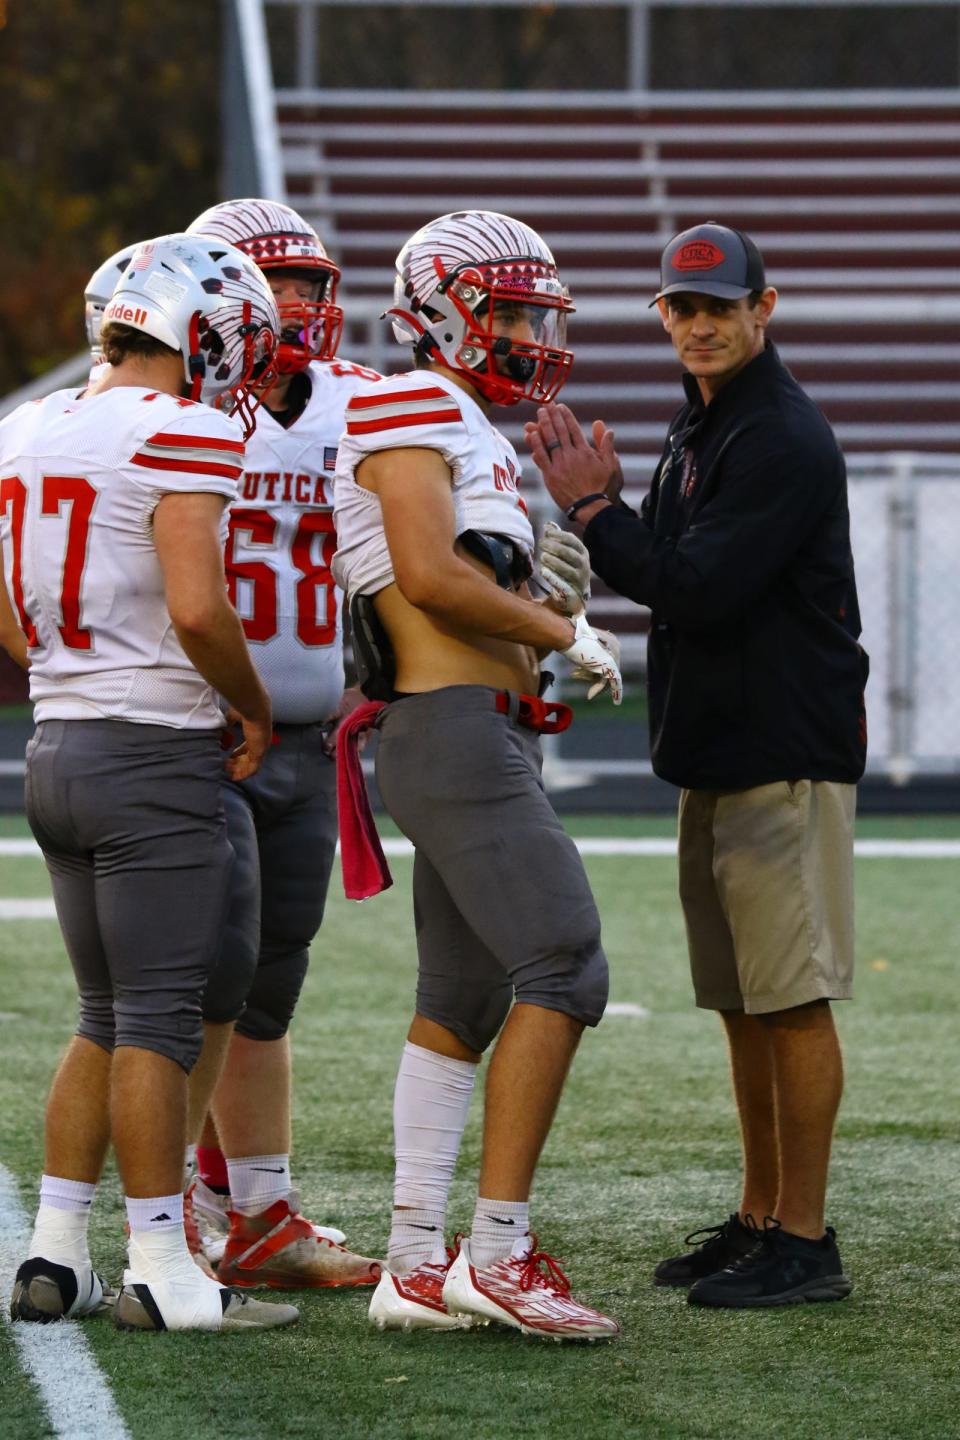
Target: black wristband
x=571 y=510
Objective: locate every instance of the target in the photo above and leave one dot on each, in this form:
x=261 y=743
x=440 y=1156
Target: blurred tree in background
x=110 y=124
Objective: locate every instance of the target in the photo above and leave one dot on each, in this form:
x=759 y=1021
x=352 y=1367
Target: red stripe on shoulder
x=197 y=442
x=190 y=467
x=385 y=396
x=398 y=422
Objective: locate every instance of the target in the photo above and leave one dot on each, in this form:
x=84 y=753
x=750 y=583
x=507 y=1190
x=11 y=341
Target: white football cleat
x=528 y=1291
x=187 y=1300
x=414 y=1301
x=45 y=1291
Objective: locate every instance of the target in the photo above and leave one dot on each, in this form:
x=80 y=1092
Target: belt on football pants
x=364 y=866
x=546 y=717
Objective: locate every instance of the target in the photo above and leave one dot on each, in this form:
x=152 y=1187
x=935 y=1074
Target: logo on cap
x=698 y=255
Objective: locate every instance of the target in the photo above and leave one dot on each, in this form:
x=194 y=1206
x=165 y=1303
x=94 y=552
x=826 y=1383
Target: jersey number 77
x=56 y=491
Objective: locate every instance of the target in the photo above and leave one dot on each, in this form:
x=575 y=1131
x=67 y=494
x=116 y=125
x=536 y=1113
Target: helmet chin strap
x=196 y=365
x=519 y=367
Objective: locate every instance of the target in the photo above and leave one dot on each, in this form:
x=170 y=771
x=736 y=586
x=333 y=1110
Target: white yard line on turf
x=614 y=845
x=56 y=1357
x=27 y=910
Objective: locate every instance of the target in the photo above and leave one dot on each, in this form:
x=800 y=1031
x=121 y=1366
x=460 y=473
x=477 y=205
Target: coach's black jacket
x=742 y=552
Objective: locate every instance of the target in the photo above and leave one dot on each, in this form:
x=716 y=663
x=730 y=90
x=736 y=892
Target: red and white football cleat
x=414 y=1301
x=280 y=1249
x=212 y=1213
x=528 y=1291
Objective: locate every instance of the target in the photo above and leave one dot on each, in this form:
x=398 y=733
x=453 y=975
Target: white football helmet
x=277 y=238
x=207 y=300
x=466 y=275
x=96 y=296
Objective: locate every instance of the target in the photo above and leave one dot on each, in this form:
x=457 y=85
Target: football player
x=435 y=553
x=283 y=822
x=112 y=518
x=97 y=296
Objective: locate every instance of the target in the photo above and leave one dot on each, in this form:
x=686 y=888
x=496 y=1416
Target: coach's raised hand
x=573 y=470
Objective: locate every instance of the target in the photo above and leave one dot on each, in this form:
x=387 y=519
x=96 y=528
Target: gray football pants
x=131 y=825
x=502 y=905
x=282 y=824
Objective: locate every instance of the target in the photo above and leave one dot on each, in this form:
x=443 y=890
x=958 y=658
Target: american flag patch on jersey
x=401 y=409
x=195 y=454
x=329 y=457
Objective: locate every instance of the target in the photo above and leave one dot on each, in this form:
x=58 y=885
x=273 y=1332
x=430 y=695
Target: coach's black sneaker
x=721 y=1245
x=781 y=1269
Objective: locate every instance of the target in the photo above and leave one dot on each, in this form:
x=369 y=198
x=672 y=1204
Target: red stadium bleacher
x=857 y=211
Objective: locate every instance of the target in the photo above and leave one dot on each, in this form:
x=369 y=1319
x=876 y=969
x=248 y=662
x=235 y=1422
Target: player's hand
x=246 y=759
x=565 y=568
x=348 y=702
x=569 y=464
x=595 y=655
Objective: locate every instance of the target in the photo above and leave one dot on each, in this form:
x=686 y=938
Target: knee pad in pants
x=273 y=995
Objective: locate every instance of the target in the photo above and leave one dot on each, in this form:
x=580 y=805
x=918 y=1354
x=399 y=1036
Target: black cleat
x=781 y=1269
x=723 y=1244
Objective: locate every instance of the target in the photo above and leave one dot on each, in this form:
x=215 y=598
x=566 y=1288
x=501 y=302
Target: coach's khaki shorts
x=766 y=884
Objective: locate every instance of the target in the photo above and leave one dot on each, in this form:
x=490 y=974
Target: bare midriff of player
x=431 y=654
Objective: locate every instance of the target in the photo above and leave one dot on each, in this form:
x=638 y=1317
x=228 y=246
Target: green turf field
x=644 y=1149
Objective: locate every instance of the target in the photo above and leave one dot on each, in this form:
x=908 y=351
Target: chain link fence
x=595 y=46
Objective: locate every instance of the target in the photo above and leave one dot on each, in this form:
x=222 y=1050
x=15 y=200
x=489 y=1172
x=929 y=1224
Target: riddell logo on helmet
x=698 y=255
x=124 y=313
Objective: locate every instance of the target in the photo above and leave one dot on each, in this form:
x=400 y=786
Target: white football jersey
x=79 y=482
x=281 y=546
x=428 y=411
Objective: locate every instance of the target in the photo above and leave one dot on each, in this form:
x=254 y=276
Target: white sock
x=415 y=1236
x=159 y=1212
x=257 y=1182
x=497 y=1226
x=162 y=1254
x=60 y=1229
x=66 y=1194
x=430 y=1106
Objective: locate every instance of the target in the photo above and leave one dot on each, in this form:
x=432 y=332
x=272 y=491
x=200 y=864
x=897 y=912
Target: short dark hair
x=120 y=342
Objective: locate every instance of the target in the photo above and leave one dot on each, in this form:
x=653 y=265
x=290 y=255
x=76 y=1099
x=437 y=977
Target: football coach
x=741 y=549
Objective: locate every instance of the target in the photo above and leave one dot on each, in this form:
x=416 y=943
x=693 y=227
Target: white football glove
x=565 y=568
x=595 y=654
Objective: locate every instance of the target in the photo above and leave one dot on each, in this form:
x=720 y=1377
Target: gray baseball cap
x=711 y=259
